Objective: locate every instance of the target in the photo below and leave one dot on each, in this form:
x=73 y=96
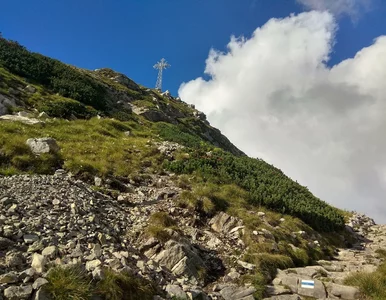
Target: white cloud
x=338 y=7
x=276 y=99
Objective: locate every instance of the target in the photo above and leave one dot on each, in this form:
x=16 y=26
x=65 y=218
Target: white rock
x=50 y=251
x=30 y=89
x=43 y=145
x=24 y=120
x=98 y=181
x=246 y=265
x=38 y=262
x=39 y=282
x=91 y=265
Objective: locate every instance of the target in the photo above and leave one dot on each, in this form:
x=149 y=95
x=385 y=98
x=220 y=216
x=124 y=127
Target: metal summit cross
x=161 y=65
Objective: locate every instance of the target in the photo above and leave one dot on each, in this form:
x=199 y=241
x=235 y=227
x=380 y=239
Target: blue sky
x=131 y=35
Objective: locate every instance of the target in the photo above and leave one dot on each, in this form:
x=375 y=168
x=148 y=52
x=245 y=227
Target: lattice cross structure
x=160 y=66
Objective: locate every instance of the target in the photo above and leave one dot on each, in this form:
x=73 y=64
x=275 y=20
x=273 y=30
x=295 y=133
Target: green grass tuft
x=158 y=223
x=68 y=283
x=120 y=286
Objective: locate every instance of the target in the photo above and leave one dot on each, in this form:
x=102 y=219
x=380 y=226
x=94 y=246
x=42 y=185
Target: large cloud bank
x=275 y=98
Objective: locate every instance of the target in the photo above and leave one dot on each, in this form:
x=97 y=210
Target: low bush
x=65 y=108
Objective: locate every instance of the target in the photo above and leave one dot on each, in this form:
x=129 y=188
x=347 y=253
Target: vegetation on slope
x=57 y=76
x=267 y=185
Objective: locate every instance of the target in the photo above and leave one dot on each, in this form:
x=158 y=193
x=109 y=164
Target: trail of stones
x=329 y=276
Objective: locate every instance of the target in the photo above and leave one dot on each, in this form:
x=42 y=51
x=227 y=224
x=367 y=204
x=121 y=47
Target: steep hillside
x=135 y=187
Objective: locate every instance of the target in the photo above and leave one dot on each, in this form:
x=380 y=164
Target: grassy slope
x=218 y=180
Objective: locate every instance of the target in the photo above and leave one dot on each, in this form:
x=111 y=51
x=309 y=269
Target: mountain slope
x=152 y=154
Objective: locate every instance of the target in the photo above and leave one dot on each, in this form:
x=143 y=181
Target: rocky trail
x=328 y=276
x=58 y=220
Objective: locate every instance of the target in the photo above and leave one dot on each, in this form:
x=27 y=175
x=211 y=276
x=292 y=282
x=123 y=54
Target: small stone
x=97 y=250
x=50 y=251
x=43 y=115
x=18 y=292
x=30 y=238
x=39 y=282
x=91 y=265
x=30 y=89
x=246 y=265
x=9 y=278
x=56 y=202
x=282 y=220
x=98 y=273
x=38 y=262
x=176 y=292
x=41 y=294
x=98 y=181
x=102 y=238
x=13 y=208
x=37 y=246
x=14 y=259
x=261 y=214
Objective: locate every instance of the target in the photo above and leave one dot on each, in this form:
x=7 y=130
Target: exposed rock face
x=6 y=102
x=25 y=120
x=224 y=223
x=43 y=145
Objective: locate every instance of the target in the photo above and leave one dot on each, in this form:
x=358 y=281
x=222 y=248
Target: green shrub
x=65 y=108
x=121 y=116
x=68 y=283
x=120 y=286
x=179 y=134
